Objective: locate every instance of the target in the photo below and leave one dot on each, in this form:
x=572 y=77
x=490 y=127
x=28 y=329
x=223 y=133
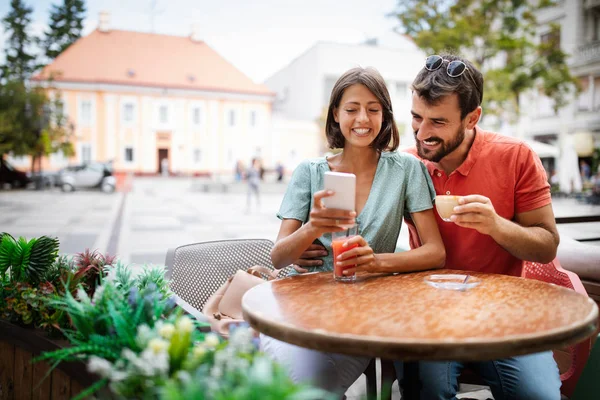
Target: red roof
x=148 y=59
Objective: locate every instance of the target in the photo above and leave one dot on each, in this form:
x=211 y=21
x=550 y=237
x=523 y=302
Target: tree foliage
x=20 y=59
x=32 y=122
x=64 y=27
x=500 y=37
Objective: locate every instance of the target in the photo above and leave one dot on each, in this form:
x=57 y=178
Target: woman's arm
x=430 y=255
x=294 y=238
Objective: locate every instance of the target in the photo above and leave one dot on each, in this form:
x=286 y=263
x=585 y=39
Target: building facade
x=303 y=88
x=148 y=102
x=579 y=122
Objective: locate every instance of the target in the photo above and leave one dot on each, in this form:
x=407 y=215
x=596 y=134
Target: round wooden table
x=401 y=317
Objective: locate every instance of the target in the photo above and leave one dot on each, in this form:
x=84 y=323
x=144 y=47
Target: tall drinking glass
x=337 y=245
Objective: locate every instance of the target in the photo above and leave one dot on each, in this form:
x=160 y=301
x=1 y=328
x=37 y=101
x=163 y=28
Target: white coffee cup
x=445 y=206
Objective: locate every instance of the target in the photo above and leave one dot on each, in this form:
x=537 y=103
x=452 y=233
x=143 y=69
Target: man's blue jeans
x=530 y=377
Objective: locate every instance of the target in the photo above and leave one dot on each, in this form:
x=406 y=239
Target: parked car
x=92 y=175
x=11 y=176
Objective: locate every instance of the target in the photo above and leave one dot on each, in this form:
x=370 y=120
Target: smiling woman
x=360 y=120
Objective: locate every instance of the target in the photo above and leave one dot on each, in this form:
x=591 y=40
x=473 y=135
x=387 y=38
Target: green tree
x=32 y=123
x=65 y=26
x=20 y=60
x=499 y=36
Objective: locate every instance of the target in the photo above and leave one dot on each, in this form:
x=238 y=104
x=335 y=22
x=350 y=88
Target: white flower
x=128 y=354
x=216 y=372
x=183 y=376
x=199 y=351
x=153 y=364
x=82 y=295
x=98 y=294
x=118 y=376
x=261 y=371
x=184 y=324
x=166 y=330
x=158 y=345
x=211 y=340
x=241 y=340
x=100 y=366
x=144 y=334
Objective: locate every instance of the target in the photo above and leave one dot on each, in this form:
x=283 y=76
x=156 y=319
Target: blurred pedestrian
x=239 y=170
x=279 y=170
x=261 y=169
x=586 y=170
x=253 y=177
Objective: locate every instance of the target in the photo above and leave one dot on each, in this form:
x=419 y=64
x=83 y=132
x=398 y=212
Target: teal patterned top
x=401 y=186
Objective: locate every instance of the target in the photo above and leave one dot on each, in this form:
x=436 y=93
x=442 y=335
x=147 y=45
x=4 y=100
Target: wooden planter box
x=20 y=379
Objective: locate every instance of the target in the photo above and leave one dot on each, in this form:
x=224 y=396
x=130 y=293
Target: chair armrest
x=573 y=277
x=169 y=263
x=191 y=311
x=580 y=258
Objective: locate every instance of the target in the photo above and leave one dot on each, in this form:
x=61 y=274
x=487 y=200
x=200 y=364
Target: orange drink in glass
x=337 y=245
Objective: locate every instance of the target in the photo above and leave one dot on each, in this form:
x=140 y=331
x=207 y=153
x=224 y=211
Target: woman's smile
x=362 y=132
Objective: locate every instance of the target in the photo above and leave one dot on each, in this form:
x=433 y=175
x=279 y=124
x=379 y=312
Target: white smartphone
x=344 y=186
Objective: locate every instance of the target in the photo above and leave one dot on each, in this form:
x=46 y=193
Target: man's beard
x=446 y=147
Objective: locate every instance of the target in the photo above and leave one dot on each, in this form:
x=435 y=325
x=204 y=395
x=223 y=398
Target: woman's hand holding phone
x=323 y=220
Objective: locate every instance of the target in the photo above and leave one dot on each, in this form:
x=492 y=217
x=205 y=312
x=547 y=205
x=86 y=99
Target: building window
x=253 y=118
x=128 y=111
x=231 y=118
x=196 y=116
x=197 y=156
x=585 y=100
x=129 y=154
x=86 y=153
x=163 y=114
x=86 y=112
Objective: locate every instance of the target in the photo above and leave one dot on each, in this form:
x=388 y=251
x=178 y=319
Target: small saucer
x=452 y=281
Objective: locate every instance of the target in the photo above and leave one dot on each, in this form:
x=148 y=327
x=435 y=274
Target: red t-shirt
x=511 y=175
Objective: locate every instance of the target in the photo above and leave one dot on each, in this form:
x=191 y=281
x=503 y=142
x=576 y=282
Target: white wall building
x=303 y=87
x=579 y=22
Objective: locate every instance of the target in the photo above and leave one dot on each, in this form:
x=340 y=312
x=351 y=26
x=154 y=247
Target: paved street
x=159 y=213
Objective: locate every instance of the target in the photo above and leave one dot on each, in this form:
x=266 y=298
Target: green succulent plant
x=26 y=261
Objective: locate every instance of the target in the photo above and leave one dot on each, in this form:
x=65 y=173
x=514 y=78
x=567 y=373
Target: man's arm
x=532 y=236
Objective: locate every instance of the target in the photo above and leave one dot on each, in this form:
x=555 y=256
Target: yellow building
x=138 y=98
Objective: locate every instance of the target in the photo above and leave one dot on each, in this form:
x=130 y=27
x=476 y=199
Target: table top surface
x=402 y=317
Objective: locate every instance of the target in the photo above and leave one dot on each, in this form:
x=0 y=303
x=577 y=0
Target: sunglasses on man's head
x=455 y=68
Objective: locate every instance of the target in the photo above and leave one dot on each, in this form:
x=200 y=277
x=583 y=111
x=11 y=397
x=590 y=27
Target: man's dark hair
x=432 y=86
x=388 y=138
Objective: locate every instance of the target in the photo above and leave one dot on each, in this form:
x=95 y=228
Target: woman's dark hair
x=388 y=138
x=432 y=86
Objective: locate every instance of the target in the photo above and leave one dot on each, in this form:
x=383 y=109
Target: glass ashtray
x=452 y=281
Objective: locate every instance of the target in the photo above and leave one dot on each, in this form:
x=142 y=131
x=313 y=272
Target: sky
x=259 y=37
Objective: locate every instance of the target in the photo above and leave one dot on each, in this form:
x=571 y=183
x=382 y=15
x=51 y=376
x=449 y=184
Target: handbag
x=223 y=309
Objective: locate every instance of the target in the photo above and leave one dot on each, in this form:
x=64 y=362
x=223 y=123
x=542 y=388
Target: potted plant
x=131 y=334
